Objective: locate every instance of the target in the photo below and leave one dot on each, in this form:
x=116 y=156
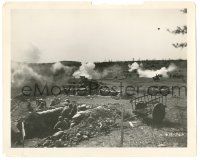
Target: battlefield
x=104 y=104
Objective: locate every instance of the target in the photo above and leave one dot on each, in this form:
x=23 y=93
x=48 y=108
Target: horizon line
x=138 y=60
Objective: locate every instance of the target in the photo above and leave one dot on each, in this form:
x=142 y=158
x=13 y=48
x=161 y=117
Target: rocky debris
x=77 y=118
x=57 y=135
x=85 y=125
x=134 y=123
x=162 y=145
x=67 y=100
x=47 y=143
x=58 y=143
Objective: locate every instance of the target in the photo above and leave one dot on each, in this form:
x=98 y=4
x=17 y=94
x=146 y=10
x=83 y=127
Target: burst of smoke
x=58 y=67
x=22 y=74
x=172 y=67
x=87 y=70
x=133 y=66
x=151 y=73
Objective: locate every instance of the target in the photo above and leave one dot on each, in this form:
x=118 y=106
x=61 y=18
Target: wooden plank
x=23 y=134
x=122 y=128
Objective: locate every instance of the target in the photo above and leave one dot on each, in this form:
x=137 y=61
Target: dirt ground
x=171 y=133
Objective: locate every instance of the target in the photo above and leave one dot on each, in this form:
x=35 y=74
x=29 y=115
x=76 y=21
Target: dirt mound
x=93 y=122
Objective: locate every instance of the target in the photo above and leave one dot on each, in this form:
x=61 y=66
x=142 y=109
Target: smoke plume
x=151 y=73
x=87 y=70
x=59 y=68
x=26 y=74
x=23 y=74
x=133 y=66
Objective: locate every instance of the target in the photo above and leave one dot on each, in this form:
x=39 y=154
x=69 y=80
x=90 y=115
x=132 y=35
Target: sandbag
x=77 y=118
x=82 y=107
x=57 y=135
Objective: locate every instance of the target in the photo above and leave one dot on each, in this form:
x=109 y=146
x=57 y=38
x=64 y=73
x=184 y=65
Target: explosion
x=87 y=70
x=151 y=73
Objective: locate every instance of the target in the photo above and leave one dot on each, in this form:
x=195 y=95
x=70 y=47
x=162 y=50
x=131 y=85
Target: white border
x=193 y=73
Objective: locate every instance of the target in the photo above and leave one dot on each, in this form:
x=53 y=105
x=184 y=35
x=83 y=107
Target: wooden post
x=132 y=105
x=23 y=133
x=176 y=100
x=122 y=128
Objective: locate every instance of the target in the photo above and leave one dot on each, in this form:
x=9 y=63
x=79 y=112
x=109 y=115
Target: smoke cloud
x=23 y=74
x=26 y=74
x=151 y=73
x=133 y=66
x=87 y=70
x=58 y=67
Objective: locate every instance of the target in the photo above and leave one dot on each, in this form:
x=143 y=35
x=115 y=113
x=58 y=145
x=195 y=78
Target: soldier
x=61 y=124
x=73 y=111
x=41 y=104
x=68 y=122
x=66 y=111
x=66 y=102
x=29 y=107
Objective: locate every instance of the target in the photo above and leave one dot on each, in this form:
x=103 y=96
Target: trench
x=40 y=124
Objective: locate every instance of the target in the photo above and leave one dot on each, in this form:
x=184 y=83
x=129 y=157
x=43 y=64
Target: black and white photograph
x=100 y=77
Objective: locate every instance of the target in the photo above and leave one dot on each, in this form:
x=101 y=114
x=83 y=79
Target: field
x=172 y=132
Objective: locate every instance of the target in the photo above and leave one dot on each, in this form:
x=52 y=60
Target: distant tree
x=184 y=10
x=180 y=45
x=180 y=30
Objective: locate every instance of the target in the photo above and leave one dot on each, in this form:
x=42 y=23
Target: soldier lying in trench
x=62 y=124
x=41 y=104
x=69 y=111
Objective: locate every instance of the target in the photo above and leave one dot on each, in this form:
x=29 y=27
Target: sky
x=95 y=35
